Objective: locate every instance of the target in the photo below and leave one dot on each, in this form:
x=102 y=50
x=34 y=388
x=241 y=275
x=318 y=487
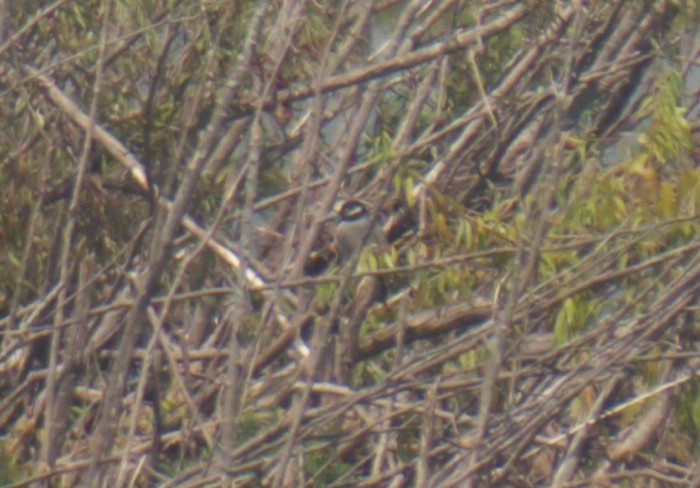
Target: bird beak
x=331 y=216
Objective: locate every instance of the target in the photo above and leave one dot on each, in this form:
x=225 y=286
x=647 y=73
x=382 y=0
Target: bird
x=351 y=233
x=354 y=230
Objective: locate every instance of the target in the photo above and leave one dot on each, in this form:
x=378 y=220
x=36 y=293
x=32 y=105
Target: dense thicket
x=172 y=309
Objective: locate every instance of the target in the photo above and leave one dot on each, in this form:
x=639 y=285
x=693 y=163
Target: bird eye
x=352 y=210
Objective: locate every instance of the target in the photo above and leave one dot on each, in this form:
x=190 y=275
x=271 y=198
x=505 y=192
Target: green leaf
x=570 y=311
x=667 y=199
x=695 y=409
x=408 y=191
x=561 y=329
